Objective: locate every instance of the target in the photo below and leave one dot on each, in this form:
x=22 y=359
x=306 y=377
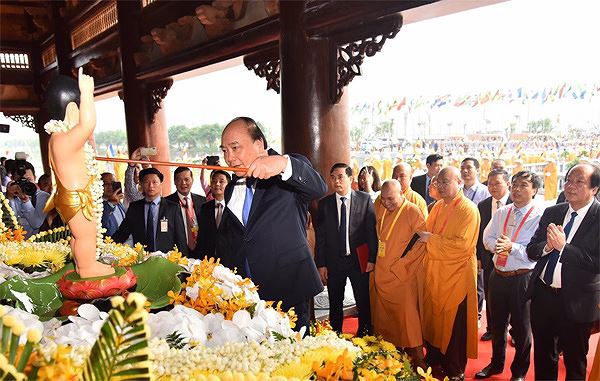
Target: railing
x=19 y=61
x=100 y=21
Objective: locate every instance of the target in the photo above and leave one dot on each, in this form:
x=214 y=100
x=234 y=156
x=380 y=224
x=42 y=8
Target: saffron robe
x=451 y=272
x=396 y=284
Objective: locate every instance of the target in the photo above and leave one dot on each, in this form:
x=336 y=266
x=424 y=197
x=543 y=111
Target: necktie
x=343 y=226
x=498 y=204
x=551 y=265
x=247 y=202
x=150 y=245
x=219 y=207
x=190 y=222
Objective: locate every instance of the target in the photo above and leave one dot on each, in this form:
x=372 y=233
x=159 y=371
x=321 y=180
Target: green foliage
x=542 y=126
x=175 y=340
x=121 y=351
x=38 y=296
x=106 y=138
x=202 y=140
x=156 y=277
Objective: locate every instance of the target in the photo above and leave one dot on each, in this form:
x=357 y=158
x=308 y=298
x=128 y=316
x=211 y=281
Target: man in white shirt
x=472 y=188
x=507 y=236
x=565 y=284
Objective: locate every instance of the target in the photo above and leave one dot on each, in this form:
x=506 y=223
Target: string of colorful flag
x=521 y=95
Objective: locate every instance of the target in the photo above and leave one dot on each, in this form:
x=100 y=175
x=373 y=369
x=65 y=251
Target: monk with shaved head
x=396 y=284
x=450 y=293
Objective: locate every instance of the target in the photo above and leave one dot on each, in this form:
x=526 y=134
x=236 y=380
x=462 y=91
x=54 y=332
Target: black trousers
x=454 y=361
x=480 y=292
x=550 y=324
x=508 y=302
x=488 y=268
x=336 y=283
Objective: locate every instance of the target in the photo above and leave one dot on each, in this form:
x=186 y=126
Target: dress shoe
x=486 y=336
x=460 y=377
x=488 y=371
x=517 y=379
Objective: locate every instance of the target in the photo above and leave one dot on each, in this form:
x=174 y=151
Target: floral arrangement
x=121 y=254
x=96 y=189
x=34 y=256
x=213 y=288
x=60 y=235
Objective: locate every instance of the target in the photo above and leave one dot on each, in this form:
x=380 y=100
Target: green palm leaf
x=121 y=351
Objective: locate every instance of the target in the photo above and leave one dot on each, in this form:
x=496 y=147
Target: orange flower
x=341 y=369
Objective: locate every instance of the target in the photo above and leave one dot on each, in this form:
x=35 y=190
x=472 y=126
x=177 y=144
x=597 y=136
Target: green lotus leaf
x=156 y=277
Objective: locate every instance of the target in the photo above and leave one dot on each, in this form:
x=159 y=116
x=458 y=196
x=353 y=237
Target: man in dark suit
x=498 y=186
x=211 y=214
x=263 y=230
x=565 y=284
x=420 y=184
x=189 y=204
x=345 y=221
x=153 y=221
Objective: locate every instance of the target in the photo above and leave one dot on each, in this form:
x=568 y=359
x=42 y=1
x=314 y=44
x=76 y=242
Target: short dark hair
x=475 y=161
x=346 y=167
x=253 y=129
x=178 y=170
x=61 y=91
x=533 y=178
x=44 y=177
x=595 y=178
x=376 y=179
x=433 y=158
x=500 y=172
x=220 y=172
x=151 y=171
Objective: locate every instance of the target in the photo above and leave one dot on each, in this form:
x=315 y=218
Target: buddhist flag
x=401 y=104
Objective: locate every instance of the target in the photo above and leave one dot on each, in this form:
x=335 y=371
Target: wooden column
x=311 y=124
x=62 y=39
x=158 y=132
x=133 y=96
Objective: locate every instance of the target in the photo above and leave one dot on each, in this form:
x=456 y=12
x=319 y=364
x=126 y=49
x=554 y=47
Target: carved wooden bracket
x=265 y=64
x=351 y=53
x=156 y=93
x=25 y=120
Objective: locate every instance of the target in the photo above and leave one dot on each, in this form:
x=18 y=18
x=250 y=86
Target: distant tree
x=542 y=126
x=384 y=129
x=114 y=137
x=356 y=136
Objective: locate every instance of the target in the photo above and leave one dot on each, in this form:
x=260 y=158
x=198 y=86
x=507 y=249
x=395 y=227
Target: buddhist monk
x=550 y=180
x=396 y=284
x=403 y=173
x=450 y=293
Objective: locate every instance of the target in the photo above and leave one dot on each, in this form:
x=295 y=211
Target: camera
x=148 y=151
x=26 y=186
x=212 y=160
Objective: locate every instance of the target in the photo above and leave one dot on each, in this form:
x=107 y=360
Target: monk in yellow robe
x=518 y=167
x=550 y=180
x=396 y=284
x=450 y=292
x=403 y=173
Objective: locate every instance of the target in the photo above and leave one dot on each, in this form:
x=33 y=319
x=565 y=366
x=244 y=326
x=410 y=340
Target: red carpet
x=485 y=355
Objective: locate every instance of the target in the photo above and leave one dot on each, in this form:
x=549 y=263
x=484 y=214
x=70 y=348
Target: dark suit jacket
x=207 y=230
x=580 y=262
x=109 y=222
x=361 y=230
x=418 y=184
x=485 y=212
x=274 y=240
x=198 y=201
x=135 y=224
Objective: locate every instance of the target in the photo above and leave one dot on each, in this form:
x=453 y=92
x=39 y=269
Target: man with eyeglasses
x=565 y=284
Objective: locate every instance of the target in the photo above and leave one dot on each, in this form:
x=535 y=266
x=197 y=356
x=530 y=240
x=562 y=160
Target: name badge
x=381 y=249
x=164 y=225
x=502 y=259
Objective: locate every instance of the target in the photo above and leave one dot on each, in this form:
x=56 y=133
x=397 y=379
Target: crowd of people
x=423 y=253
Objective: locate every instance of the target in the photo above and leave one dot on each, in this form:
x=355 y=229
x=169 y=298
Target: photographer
x=26 y=200
x=132 y=190
x=209 y=160
x=114 y=211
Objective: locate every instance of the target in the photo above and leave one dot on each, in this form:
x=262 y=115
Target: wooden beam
x=16 y=77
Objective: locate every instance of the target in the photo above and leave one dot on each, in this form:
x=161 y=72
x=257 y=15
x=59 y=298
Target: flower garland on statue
x=96 y=188
x=9 y=226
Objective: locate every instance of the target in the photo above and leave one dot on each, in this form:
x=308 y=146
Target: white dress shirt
x=236 y=202
x=183 y=212
x=222 y=202
x=557 y=277
x=338 y=203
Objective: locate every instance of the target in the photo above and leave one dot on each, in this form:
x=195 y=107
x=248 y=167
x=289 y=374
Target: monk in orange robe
x=450 y=292
x=403 y=173
x=396 y=284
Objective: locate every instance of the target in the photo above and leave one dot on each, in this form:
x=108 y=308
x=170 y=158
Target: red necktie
x=191 y=223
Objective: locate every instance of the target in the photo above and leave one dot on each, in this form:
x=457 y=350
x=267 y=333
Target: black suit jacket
x=135 y=224
x=207 y=230
x=274 y=240
x=485 y=212
x=418 y=184
x=198 y=201
x=361 y=230
x=580 y=260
